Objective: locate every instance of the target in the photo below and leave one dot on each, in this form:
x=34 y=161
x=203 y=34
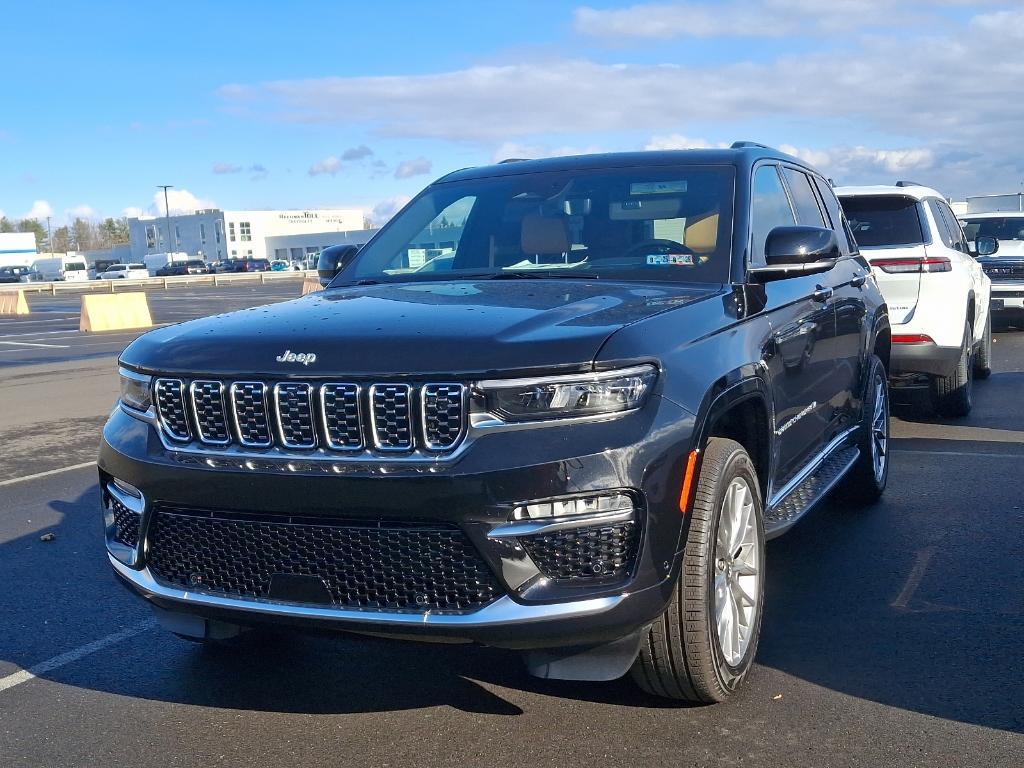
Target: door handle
x=859 y=280
x=822 y=294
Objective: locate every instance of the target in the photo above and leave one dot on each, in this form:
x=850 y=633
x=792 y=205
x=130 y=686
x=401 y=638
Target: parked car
x=248 y=265
x=280 y=265
x=937 y=293
x=571 y=441
x=124 y=271
x=178 y=268
x=18 y=274
x=1004 y=265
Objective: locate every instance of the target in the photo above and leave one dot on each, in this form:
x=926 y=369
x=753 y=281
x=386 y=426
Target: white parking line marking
x=914 y=579
x=34 y=344
x=74 y=655
x=47 y=473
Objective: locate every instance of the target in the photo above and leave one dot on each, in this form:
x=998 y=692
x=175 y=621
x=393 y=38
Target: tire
x=983 y=357
x=953 y=395
x=865 y=483
x=683 y=655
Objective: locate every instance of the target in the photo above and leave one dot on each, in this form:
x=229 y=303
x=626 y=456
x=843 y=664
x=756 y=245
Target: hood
x=431 y=328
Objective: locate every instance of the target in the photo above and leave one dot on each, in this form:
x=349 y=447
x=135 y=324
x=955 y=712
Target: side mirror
x=793 y=251
x=334 y=259
x=985 y=246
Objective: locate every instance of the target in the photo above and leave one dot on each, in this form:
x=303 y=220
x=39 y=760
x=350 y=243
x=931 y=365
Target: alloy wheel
x=737 y=575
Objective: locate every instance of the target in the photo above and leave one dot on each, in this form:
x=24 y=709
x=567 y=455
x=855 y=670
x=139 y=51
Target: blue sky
x=257 y=104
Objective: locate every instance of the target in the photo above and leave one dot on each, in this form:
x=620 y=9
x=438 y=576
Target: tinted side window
x=804 y=200
x=940 y=222
x=955 y=231
x=835 y=213
x=769 y=209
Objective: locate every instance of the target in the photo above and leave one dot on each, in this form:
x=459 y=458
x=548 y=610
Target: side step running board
x=812 y=489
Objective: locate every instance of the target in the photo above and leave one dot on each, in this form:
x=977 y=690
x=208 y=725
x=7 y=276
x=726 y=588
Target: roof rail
x=746 y=144
x=513 y=160
x=908 y=184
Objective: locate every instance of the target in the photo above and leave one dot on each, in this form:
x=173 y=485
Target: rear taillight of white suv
x=913 y=264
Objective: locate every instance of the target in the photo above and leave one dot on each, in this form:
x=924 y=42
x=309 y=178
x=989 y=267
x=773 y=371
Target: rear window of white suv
x=880 y=220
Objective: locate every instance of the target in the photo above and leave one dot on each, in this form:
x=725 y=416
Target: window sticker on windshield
x=657 y=187
x=670 y=260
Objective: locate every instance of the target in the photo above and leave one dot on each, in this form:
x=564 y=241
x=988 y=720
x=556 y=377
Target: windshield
x=880 y=220
x=1001 y=228
x=660 y=223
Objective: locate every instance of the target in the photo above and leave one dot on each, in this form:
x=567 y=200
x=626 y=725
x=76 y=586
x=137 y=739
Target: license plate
x=997 y=304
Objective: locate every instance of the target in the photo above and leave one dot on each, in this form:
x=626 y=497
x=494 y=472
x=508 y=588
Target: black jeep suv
x=571 y=438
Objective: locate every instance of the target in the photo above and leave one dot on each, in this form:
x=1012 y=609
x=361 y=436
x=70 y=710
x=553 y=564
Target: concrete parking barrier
x=311 y=285
x=13 y=303
x=113 y=312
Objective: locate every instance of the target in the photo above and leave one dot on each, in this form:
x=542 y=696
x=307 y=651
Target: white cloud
x=357 y=153
x=751 y=18
x=132 y=212
x=409 y=168
x=896 y=83
x=385 y=209
x=678 y=141
x=330 y=165
x=82 y=211
x=180 y=201
x=221 y=168
x=40 y=210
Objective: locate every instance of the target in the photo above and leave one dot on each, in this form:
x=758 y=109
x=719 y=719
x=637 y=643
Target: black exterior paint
x=798 y=346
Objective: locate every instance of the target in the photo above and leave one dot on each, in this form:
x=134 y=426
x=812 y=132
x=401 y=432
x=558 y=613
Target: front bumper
x=642 y=451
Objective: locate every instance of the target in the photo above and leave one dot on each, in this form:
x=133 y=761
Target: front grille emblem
x=306 y=358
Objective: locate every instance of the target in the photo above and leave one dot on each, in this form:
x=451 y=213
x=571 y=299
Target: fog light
x=580 y=505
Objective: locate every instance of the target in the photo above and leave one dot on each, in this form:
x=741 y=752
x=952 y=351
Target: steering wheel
x=659 y=245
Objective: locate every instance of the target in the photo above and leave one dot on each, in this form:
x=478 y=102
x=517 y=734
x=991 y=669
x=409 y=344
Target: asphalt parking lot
x=892 y=636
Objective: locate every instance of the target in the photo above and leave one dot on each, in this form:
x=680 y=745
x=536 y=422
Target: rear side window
x=769 y=209
x=881 y=220
x=940 y=223
x=804 y=200
x=955 y=232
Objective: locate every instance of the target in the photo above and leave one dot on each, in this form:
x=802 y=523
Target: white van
x=157 y=261
x=67 y=268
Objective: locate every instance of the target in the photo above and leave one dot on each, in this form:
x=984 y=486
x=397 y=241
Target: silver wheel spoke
x=737 y=578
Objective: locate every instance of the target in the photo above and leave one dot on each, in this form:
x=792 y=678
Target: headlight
x=136 y=390
x=565 y=397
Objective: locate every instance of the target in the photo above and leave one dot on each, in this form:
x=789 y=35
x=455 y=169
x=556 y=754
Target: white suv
x=124 y=271
x=937 y=293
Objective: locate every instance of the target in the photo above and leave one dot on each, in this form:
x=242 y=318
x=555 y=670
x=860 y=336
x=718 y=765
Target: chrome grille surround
x=443 y=415
x=391 y=417
x=339 y=413
x=169 y=396
x=252 y=415
x=256 y=420
x=293 y=402
x=207 y=398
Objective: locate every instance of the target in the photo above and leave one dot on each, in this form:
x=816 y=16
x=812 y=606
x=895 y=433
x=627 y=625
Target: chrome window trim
x=160 y=417
x=266 y=409
x=463 y=405
x=373 y=420
x=359 y=415
x=195 y=411
x=501 y=612
x=312 y=414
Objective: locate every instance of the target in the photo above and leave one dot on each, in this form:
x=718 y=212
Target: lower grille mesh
x=126 y=524
x=402 y=567
x=596 y=552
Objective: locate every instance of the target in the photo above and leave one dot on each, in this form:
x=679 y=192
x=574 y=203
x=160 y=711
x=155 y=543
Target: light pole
x=49 y=236
x=167 y=211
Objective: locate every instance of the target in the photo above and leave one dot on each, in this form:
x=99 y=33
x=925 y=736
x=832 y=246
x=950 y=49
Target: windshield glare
x=1001 y=228
x=662 y=223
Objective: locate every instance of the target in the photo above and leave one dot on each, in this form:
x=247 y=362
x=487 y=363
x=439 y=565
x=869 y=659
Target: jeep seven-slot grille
x=383 y=566
x=304 y=416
